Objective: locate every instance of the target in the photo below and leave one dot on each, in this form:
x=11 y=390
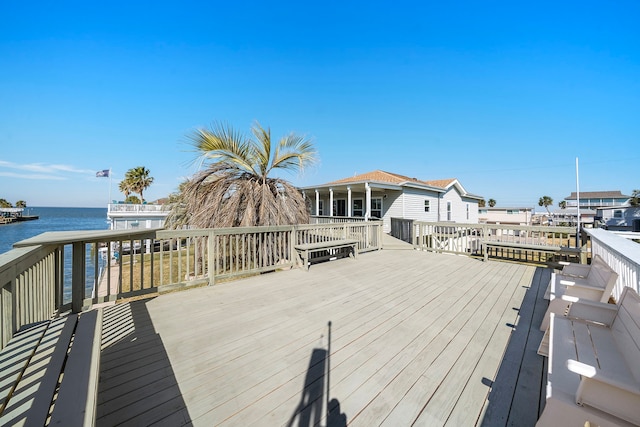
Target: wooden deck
x=396 y=338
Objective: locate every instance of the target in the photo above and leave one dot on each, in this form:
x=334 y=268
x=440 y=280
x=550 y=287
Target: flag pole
x=110 y=182
x=578 y=205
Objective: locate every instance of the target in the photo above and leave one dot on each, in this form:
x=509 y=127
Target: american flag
x=103 y=173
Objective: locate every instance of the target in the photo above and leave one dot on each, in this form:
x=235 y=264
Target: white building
x=505 y=215
x=385 y=195
x=124 y=216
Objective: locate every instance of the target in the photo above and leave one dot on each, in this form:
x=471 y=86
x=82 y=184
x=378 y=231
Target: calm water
x=52 y=219
x=57 y=219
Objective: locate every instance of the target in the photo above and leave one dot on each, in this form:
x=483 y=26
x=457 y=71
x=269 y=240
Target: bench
x=306 y=249
x=552 y=249
x=597 y=285
x=35 y=359
x=594 y=365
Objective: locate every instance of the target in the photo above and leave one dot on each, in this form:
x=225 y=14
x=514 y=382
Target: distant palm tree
x=139 y=180
x=21 y=204
x=235 y=189
x=482 y=203
x=563 y=204
x=492 y=203
x=635 y=198
x=545 y=201
x=5 y=204
x=125 y=187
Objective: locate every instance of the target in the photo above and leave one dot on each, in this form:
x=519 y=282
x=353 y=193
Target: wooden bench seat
x=552 y=249
x=594 y=365
x=306 y=249
x=37 y=357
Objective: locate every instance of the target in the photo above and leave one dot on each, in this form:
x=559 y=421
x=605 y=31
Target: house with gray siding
x=386 y=195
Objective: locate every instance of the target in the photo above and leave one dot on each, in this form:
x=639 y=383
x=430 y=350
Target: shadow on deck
x=137 y=384
x=517 y=394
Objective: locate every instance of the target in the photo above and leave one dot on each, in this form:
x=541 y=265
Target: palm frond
x=294 y=152
x=223 y=145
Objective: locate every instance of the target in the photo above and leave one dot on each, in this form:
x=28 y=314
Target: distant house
x=621 y=218
x=597 y=199
x=505 y=215
x=380 y=194
x=569 y=216
x=125 y=216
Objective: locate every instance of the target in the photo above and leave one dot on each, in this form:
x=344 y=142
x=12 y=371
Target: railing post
x=211 y=263
x=77 y=277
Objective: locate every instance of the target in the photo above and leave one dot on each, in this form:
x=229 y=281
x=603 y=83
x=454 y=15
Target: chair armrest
x=593 y=311
x=592 y=373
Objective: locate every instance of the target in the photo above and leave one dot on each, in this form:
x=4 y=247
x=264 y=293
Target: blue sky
x=501 y=95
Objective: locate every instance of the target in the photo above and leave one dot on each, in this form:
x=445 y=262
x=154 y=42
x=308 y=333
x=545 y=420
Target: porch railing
x=317 y=219
x=130 y=263
x=469 y=239
x=621 y=254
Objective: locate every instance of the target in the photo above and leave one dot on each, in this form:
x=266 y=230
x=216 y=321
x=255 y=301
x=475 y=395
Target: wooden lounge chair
x=597 y=285
x=594 y=365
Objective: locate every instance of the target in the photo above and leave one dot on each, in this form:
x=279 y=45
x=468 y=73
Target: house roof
x=383 y=177
x=598 y=195
x=393 y=178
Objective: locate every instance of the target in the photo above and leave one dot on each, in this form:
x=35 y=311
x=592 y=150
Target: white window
x=426 y=205
x=320 y=207
x=617 y=213
x=448 y=211
x=376 y=207
x=513 y=211
x=467 y=211
x=358 y=207
x=339 y=207
x=483 y=211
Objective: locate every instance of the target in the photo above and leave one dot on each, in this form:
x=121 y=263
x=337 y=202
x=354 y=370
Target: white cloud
x=32 y=176
x=41 y=170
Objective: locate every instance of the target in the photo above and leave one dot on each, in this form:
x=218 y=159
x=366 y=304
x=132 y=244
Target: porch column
x=349 y=212
x=331 y=202
x=317 y=203
x=367 y=211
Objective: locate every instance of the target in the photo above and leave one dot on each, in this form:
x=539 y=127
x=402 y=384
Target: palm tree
x=563 y=204
x=21 y=204
x=125 y=187
x=482 y=203
x=635 y=198
x=235 y=189
x=492 y=203
x=545 y=201
x=139 y=180
x=5 y=204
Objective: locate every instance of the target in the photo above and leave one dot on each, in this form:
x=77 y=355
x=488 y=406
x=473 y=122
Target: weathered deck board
x=415 y=337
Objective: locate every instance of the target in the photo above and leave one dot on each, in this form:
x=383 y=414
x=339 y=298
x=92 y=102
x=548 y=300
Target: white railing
x=316 y=219
x=133 y=208
x=621 y=254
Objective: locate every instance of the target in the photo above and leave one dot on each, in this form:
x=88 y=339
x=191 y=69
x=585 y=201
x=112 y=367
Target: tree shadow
x=315 y=398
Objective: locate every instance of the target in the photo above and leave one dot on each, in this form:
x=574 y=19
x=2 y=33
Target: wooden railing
x=30 y=288
x=133 y=263
x=621 y=254
x=471 y=239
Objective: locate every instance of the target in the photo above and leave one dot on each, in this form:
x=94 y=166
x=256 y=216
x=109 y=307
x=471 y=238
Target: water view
x=57 y=219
